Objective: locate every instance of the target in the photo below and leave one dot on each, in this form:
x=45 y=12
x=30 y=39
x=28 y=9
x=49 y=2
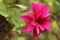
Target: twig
x=46 y=36
x=57 y=35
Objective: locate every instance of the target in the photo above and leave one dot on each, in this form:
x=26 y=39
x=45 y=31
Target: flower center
x=38 y=20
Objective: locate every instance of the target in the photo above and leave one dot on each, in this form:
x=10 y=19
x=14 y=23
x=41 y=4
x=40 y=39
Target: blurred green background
x=11 y=10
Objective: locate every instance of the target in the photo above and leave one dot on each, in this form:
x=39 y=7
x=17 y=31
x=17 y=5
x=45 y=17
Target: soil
x=5 y=28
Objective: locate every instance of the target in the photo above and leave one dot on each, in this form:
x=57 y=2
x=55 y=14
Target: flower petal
x=30 y=15
x=46 y=25
x=41 y=27
x=28 y=28
x=40 y=6
x=26 y=18
x=45 y=11
x=36 y=32
x=35 y=8
x=37 y=29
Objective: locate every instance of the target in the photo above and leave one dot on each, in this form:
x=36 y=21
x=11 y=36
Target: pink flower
x=38 y=21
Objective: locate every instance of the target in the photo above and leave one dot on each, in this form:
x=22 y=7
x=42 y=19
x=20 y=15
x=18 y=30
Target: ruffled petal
x=46 y=25
x=28 y=28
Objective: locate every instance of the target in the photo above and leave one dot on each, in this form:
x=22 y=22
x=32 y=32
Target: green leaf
x=3 y=9
x=14 y=18
x=52 y=37
x=0 y=0
x=41 y=37
x=54 y=25
x=21 y=6
x=2 y=6
x=9 y=1
x=20 y=38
